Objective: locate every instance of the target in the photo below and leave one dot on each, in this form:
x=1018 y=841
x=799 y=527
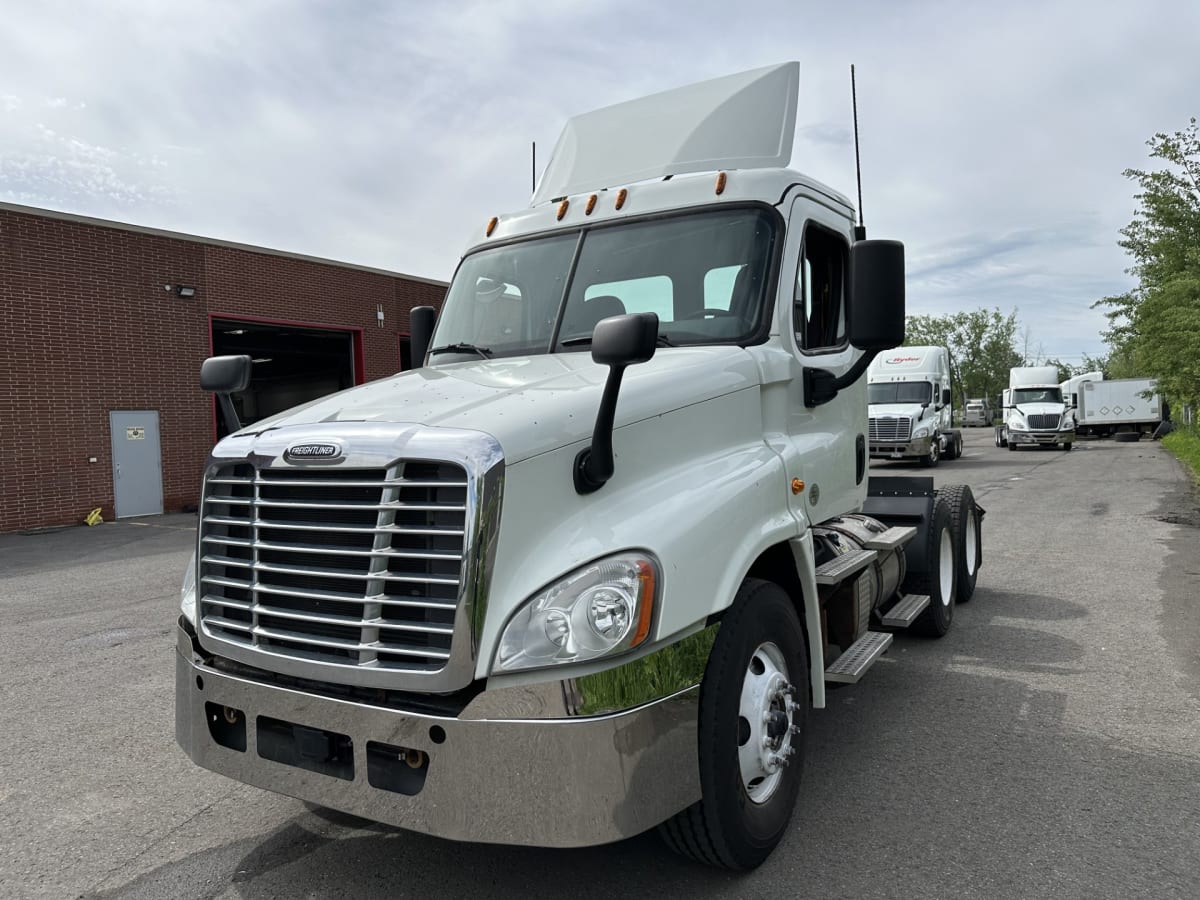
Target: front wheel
x=930 y=459
x=753 y=705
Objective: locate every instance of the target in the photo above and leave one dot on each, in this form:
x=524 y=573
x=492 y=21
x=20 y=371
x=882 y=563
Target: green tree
x=982 y=347
x=1065 y=370
x=1154 y=329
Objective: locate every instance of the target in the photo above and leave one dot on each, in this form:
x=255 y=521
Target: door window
x=820 y=298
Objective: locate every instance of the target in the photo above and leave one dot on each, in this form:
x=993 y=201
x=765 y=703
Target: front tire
x=930 y=459
x=753 y=705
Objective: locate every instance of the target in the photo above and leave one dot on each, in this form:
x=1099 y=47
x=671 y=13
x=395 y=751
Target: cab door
x=828 y=441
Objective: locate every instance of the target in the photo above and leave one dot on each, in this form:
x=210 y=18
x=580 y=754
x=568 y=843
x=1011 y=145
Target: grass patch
x=1185 y=444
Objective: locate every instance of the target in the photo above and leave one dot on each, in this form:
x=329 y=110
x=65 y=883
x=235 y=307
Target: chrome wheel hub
x=766 y=723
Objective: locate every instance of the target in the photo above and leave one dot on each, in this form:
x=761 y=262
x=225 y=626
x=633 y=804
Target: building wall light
x=185 y=290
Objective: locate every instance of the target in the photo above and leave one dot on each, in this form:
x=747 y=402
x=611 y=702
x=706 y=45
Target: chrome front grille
x=355 y=568
x=1043 y=422
x=889 y=428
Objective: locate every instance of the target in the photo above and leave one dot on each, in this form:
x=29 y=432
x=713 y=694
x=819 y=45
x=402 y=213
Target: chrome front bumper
x=504 y=778
x=1040 y=437
x=900 y=449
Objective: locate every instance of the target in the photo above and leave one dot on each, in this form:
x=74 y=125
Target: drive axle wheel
x=968 y=538
x=750 y=734
x=939 y=578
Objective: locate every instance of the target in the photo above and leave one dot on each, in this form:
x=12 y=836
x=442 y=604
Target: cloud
x=994 y=136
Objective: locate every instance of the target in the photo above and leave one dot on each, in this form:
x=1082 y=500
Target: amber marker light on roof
x=562 y=209
x=492 y=223
x=621 y=195
x=720 y=182
x=591 y=204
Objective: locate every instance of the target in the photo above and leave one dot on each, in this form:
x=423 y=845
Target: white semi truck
x=909 y=392
x=1034 y=411
x=585 y=571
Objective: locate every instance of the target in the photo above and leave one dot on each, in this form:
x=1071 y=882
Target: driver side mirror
x=617 y=342
x=945 y=396
x=876 y=308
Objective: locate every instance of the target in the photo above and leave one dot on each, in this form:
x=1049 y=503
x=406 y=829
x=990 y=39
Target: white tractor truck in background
x=1034 y=411
x=586 y=569
x=909 y=392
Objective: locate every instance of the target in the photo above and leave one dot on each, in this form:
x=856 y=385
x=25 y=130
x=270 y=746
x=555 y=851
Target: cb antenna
x=860 y=230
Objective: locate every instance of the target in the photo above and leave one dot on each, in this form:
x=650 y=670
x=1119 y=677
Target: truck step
x=906 y=610
x=850 y=666
x=837 y=569
x=896 y=536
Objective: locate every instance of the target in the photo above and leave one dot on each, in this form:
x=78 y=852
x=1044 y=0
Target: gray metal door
x=137 y=463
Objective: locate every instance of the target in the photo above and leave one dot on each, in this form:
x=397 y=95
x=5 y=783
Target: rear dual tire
x=968 y=538
x=939 y=578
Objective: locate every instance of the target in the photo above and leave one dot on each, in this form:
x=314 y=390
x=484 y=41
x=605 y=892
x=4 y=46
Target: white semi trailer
x=909 y=392
x=584 y=571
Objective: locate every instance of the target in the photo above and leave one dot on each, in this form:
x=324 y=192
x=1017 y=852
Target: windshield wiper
x=483 y=352
x=663 y=341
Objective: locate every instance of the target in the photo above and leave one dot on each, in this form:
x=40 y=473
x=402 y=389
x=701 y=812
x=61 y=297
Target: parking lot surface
x=1048 y=746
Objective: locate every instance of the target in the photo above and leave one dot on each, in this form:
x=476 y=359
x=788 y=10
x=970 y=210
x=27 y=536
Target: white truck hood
x=531 y=404
x=911 y=410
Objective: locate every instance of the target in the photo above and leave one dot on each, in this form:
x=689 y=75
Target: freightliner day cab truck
x=586 y=570
x=1034 y=411
x=909 y=393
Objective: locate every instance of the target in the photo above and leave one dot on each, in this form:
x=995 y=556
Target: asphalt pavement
x=1048 y=746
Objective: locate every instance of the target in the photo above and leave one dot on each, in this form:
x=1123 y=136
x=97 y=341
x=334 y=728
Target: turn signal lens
x=720 y=183
x=491 y=226
x=621 y=195
x=562 y=209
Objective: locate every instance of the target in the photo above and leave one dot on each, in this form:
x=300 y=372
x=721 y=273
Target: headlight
x=1016 y=423
x=603 y=608
x=921 y=430
x=187 y=592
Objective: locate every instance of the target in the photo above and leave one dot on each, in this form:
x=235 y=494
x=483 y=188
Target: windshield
x=900 y=392
x=1036 y=395
x=703 y=274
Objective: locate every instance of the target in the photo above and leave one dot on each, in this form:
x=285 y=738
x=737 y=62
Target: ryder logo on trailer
x=323 y=451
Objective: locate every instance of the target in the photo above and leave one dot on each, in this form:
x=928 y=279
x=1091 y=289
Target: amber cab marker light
x=621 y=195
x=797 y=486
x=492 y=222
x=720 y=183
x=562 y=209
x=591 y=204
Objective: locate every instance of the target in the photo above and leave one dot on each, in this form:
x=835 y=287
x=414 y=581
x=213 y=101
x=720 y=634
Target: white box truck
x=585 y=570
x=1130 y=405
x=1070 y=389
x=1034 y=411
x=909 y=393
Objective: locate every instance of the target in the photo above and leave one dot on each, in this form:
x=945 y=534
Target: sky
x=994 y=135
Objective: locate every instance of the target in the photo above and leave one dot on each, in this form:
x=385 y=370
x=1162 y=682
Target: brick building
x=100 y=321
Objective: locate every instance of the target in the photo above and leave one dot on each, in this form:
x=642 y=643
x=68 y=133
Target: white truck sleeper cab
x=495 y=598
x=909 y=392
x=1035 y=413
